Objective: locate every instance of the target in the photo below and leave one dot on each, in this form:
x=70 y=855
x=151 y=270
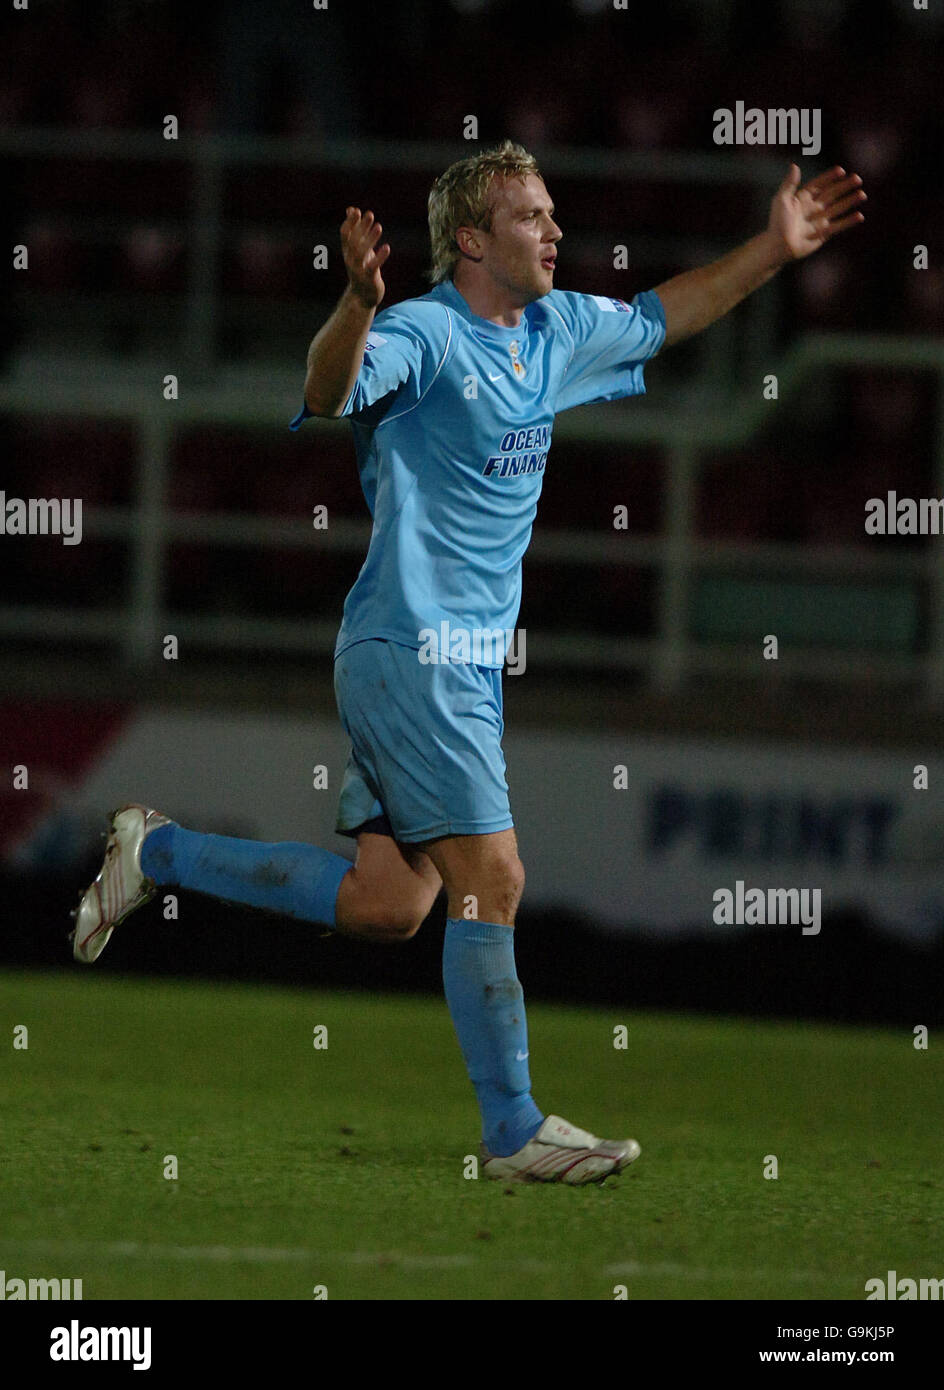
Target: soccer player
x=452 y=398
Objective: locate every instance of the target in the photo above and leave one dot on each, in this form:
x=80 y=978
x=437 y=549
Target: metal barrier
x=136 y=626
x=226 y=394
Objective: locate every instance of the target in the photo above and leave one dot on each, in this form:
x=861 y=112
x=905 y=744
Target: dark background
x=367 y=104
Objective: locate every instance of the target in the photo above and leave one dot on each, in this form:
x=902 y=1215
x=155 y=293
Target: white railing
x=137 y=623
x=227 y=395
x=207 y=160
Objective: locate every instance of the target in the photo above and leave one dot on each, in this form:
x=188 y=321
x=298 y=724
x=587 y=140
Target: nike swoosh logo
x=521 y=1056
x=496 y=378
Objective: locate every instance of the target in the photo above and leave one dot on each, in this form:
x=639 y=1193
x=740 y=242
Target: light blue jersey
x=452 y=419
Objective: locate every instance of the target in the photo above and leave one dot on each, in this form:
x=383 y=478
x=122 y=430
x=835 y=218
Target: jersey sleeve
x=612 y=341
x=404 y=352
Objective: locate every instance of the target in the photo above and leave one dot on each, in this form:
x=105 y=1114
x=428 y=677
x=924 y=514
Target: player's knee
x=406 y=918
x=516 y=879
x=401 y=917
x=507 y=886
x=518 y=882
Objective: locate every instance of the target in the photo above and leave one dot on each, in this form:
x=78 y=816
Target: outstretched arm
x=801 y=221
x=337 y=351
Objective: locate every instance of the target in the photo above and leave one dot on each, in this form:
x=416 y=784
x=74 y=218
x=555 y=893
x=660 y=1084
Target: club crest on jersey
x=514 y=347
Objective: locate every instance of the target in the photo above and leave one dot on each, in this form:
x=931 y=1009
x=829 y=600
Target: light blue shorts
x=427 y=759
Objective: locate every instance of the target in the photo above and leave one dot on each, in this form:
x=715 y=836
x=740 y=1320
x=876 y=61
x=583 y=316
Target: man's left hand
x=803 y=219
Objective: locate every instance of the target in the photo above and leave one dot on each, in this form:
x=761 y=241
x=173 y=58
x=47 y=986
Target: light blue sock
x=299 y=881
x=486 y=1002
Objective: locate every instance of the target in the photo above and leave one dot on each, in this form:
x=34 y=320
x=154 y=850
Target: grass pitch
x=344 y=1166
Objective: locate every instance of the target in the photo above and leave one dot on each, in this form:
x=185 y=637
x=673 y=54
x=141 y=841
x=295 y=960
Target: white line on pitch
x=262 y=1254
x=677 y=1271
x=236 y=1254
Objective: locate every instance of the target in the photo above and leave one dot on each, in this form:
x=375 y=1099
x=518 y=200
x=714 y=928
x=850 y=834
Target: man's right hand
x=362 y=257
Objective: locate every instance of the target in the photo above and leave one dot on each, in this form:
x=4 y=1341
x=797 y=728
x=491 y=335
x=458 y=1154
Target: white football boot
x=560 y=1152
x=120 y=886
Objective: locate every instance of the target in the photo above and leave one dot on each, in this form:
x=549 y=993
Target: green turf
x=343 y=1166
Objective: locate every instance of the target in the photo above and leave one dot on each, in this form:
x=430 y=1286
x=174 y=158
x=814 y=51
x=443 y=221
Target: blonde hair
x=460 y=198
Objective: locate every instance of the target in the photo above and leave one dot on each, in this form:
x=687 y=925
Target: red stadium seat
x=154 y=259
x=264 y=264
x=828 y=290
x=56 y=260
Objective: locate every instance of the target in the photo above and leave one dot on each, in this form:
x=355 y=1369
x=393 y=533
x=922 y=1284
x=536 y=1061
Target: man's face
x=520 y=250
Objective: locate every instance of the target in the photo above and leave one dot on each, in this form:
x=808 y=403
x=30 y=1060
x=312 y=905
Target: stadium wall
x=634 y=834
x=626 y=839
